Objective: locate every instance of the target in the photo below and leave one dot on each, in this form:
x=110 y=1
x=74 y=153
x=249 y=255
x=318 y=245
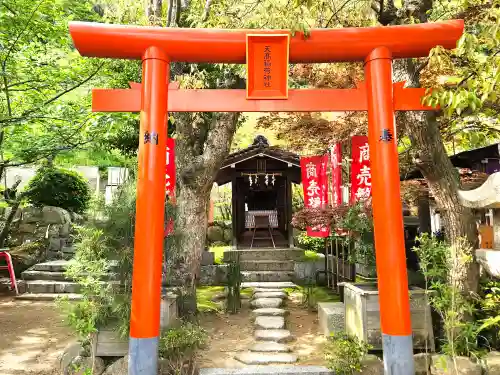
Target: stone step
x=48 y=286
x=55 y=275
x=270 y=322
x=268 y=370
x=267 y=276
x=266 y=302
x=270 y=311
x=275 y=335
x=269 y=284
x=264 y=254
x=44 y=275
x=51 y=266
x=48 y=296
x=267 y=265
x=270 y=295
x=252 y=358
x=270 y=347
x=265 y=290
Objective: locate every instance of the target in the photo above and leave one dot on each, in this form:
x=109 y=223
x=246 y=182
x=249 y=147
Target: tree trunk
x=202 y=144
x=443 y=180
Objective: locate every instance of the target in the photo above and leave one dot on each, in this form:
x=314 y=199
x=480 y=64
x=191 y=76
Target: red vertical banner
x=361 y=176
x=170 y=180
x=170 y=169
x=315 y=184
x=335 y=159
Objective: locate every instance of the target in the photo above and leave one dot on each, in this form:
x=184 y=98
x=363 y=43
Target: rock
x=119 y=367
x=422 y=363
x=276 y=335
x=81 y=365
x=267 y=347
x=444 y=365
x=269 y=295
x=65 y=230
x=215 y=234
x=267 y=302
x=372 y=365
x=207 y=258
x=55 y=215
x=32 y=215
x=228 y=235
x=270 y=311
x=68 y=355
x=251 y=358
x=213 y=275
x=492 y=363
x=270 y=322
x=219 y=297
x=27 y=228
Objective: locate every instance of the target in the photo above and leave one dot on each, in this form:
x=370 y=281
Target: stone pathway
x=270 y=334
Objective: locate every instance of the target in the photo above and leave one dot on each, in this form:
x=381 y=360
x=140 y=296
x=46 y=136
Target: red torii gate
x=157 y=47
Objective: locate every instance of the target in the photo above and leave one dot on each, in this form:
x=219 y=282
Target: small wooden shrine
x=261 y=177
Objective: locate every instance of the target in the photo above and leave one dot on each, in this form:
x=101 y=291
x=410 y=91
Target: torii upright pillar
x=150 y=212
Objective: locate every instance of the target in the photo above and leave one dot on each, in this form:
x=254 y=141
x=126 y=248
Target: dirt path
x=230 y=334
x=32 y=335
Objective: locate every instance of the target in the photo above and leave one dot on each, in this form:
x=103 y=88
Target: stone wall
x=213 y=274
x=49 y=228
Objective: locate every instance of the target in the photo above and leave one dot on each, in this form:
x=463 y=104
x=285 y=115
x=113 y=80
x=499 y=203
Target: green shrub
x=315 y=244
x=59 y=188
x=344 y=353
x=178 y=347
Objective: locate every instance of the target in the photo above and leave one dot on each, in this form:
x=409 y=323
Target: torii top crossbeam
x=229 y=46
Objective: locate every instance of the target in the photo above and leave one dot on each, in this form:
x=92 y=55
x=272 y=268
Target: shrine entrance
x=261 y=178
x=267 y=54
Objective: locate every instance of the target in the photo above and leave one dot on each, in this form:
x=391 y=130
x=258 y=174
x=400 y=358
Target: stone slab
x=268 y=284
x=269 y=295
x=270 y=322
x=268 y=370
x=270 y=347
x=51 y=266
x=267 y=276
x=270 y=311
x=252 y=358
x=267 y=302
x=49 y=296
x=276 y=335
x=265 y=290
x=331 y=317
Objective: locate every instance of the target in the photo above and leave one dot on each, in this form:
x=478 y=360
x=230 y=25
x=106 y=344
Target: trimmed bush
x=59 y=188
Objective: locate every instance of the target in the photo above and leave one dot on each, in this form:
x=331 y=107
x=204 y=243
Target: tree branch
x=206 y=10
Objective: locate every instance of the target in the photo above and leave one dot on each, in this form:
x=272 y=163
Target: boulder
x=372 y=365
x=55 y=215
x=215 y=234
x=119 y=367
x=81 y=366
x=422 y=363
x=68 y=355
x=492 y=363
x=445 y=365
x=27 y=228
x=64 y=229
x=228 y=235
x=32 y=215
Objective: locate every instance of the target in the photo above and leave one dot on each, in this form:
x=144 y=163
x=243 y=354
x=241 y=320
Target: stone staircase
x=46 y=281
x=270 y=334
x=266 y=264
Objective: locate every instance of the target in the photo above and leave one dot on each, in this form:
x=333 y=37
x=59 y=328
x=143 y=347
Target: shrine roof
x=465 y=159
x=261 y=147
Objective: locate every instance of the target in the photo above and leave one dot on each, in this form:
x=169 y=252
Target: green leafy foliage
x=445 y=296
x=178 y=347
x=104 y=249
x=60 y=188
x=314 y=244
x=488 y=313
x=344 y=354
